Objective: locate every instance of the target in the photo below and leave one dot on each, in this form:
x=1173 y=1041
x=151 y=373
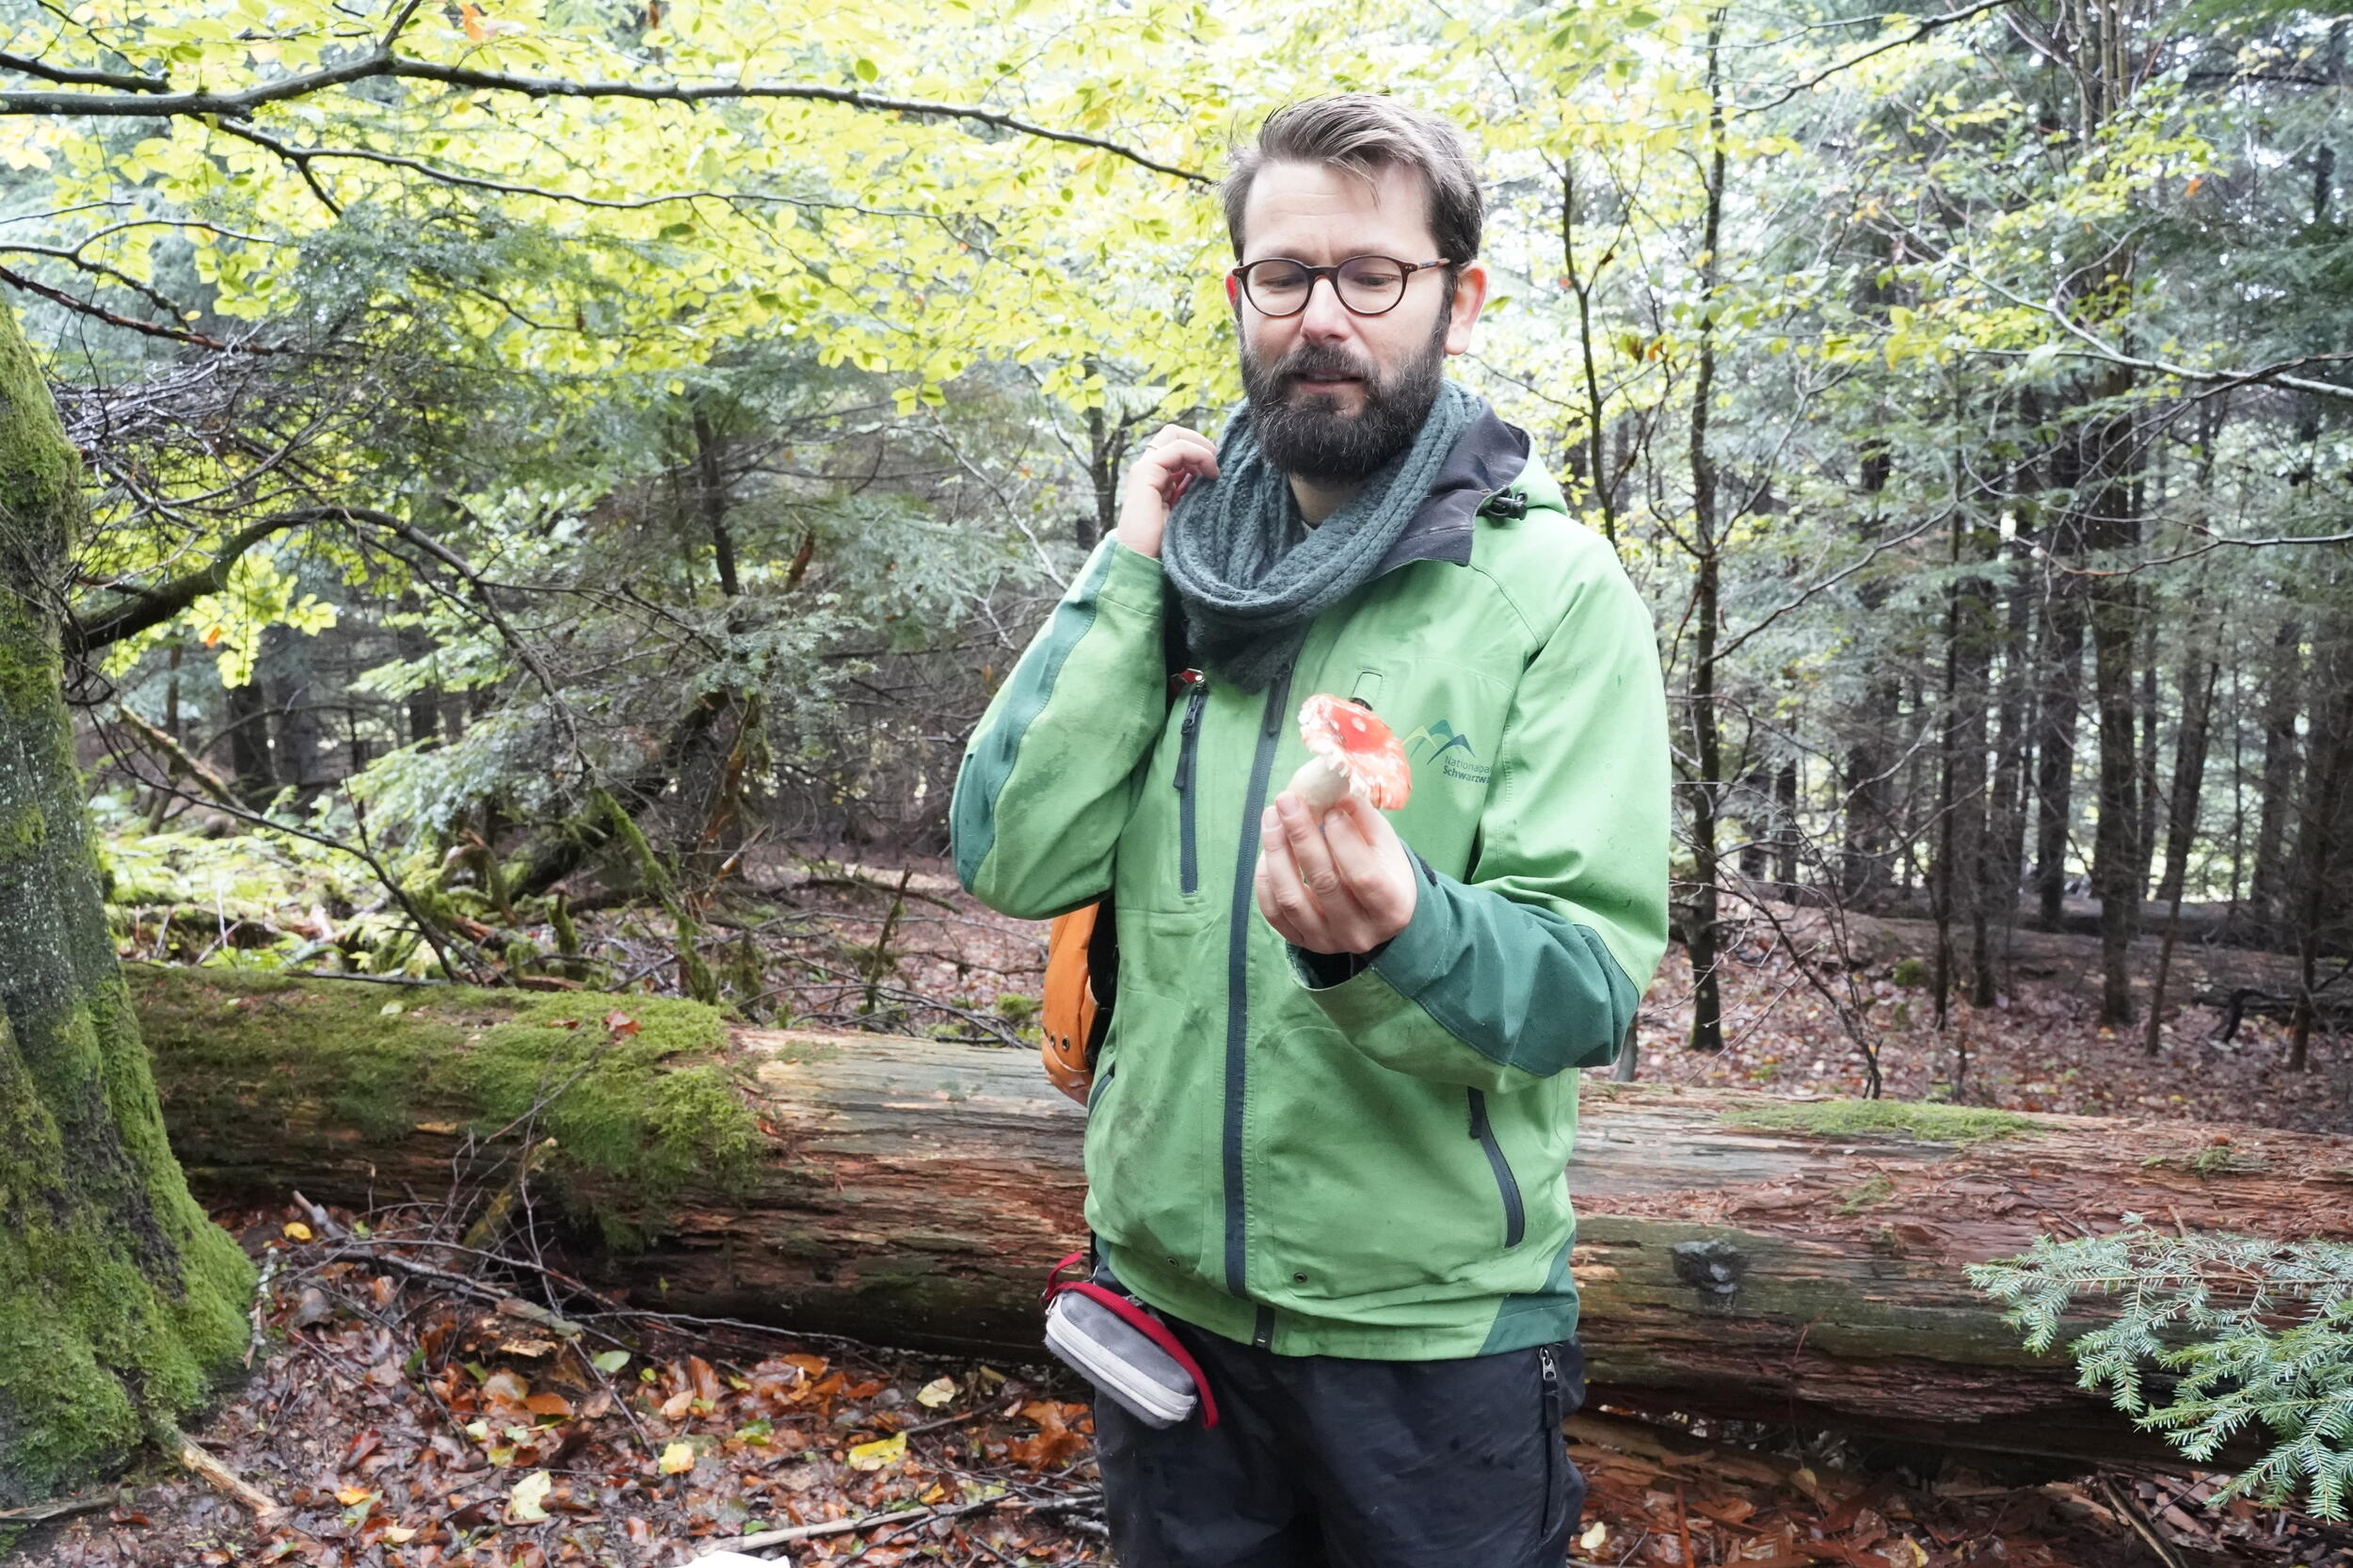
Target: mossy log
x=1739 y=1254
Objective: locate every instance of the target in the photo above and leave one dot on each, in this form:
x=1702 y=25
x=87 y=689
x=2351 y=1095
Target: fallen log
x=1739 y=1254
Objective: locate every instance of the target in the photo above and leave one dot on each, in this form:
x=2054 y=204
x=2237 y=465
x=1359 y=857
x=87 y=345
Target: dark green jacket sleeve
x=1048 y=779
x=1533 y=965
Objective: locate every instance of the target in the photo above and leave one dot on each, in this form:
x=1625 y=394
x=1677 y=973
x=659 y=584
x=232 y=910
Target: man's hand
x=1172 y=460
x=1346 y=887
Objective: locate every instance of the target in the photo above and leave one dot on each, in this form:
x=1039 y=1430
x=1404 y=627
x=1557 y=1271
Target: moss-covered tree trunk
x=120 y=1301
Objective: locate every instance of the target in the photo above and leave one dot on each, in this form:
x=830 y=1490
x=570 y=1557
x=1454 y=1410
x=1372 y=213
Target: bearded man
x=1329 y=1123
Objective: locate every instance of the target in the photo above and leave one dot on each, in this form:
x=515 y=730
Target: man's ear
x=1470 y=297
x=1233 y=291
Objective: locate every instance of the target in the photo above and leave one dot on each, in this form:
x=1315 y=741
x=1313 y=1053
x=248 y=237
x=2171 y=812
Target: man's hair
x=1365 y=133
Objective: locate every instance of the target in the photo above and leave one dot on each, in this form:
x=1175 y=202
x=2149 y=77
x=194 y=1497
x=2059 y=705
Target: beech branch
x=153 y=606
x=150 y=101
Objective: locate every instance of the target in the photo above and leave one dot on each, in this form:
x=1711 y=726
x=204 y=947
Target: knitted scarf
x=1249 y=592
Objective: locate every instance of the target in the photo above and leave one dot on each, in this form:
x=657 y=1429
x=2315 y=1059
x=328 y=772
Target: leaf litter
x=412 y=1424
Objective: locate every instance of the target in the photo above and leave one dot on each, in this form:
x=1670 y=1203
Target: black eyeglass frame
x=1240 y=275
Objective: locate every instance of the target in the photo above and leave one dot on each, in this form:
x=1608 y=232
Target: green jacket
x=1326 y=1156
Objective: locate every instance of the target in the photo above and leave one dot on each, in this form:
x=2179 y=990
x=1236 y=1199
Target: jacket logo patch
x=1450 y=748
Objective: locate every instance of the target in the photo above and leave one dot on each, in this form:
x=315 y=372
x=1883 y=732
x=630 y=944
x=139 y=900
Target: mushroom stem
x=1318 y=784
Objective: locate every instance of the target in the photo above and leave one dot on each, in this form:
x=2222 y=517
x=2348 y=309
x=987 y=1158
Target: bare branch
x=1932 y=24
x=150 y=103
x=99 y=312
x=121 y=81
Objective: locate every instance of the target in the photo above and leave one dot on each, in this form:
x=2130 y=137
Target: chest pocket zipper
x=1188 y=756
x=1514 y=1212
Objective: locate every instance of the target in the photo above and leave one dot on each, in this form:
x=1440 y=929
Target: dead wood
x=1737 y=1254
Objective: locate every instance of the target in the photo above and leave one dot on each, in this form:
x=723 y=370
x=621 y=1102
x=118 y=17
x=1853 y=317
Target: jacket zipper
x=1515 y=1213
x=1103 y=1082
x=1188 y=758
x=1238 y=986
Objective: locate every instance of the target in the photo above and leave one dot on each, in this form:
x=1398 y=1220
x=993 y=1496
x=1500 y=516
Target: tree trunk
x=2054 y=748
x=2005 y=819
x=1972 y=635
x=120 y=1301
x=249 y=743
x=2198 y=678
x=1701 y=935
x=2283 y=690
x=711 y=499
x=2109 y=522
x=1737 y=1254
x=2326 y=780
x=297 y=738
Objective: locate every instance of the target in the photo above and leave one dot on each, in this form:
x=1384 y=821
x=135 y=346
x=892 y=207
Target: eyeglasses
x=1367 y=285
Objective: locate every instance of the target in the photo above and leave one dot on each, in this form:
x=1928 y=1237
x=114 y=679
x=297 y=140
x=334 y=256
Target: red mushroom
x=1351 y=752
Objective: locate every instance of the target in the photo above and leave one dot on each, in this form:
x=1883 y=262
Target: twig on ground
x=56 y=1508
x=191 y=1457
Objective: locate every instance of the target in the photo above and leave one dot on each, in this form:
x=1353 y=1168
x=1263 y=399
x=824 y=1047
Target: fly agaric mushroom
x=1351 y=752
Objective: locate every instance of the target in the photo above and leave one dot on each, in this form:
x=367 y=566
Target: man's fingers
x=1283 y=898
x=1305 y=835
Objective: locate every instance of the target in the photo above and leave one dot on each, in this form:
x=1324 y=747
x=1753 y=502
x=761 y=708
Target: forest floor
x=406 y=1412
x=417 y=1410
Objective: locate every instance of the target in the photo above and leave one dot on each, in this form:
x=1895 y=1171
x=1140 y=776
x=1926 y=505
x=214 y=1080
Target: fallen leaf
x=352 y=1497
x=939 y=1392
x=609 y=1362
x=1595 y=1533
x=526 y=1502
x=704 y=1379
x=399 y=1535
x=882 y=1451
x=621 y=1025
x=296 y=1231
x=549 y=1404
x=678 y=1458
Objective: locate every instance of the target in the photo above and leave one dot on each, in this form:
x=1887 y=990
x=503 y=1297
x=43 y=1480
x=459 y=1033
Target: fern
x=2246 y=1336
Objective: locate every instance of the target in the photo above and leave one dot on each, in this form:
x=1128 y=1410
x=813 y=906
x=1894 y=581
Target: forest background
x=475 y=464
x=557 y=484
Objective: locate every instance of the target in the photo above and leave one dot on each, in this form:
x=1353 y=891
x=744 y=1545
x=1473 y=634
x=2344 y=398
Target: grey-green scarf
x=1249 y=592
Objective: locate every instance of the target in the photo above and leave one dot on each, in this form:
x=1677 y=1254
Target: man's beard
x=1307 y=435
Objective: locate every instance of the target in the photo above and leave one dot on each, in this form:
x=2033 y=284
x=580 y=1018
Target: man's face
x=1333 y=395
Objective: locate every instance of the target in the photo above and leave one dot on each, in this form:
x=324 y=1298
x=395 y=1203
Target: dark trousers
x=1329 y=1462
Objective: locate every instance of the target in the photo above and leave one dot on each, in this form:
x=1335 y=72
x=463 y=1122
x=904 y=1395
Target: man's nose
x=1325 y=319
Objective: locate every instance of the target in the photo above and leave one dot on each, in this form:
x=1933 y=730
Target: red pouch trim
x=1143 y=1322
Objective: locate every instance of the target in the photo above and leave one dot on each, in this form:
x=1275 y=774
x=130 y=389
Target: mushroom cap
x=1349 y=737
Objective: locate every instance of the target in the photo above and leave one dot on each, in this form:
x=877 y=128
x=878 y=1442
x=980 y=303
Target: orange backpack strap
x=1081 y=959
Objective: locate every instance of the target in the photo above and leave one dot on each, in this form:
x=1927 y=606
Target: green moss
x=1910 y=974
x=644 y=1112
x=567 y=934
x=1950 y=1123
x=118 y=1310
x=1871 y=1194
x=2214 y=1160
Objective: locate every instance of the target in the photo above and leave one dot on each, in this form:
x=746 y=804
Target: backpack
x=1082 y=974
x=1082 y=947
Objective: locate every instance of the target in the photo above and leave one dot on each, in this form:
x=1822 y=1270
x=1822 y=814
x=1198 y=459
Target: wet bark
x=120 y=1303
